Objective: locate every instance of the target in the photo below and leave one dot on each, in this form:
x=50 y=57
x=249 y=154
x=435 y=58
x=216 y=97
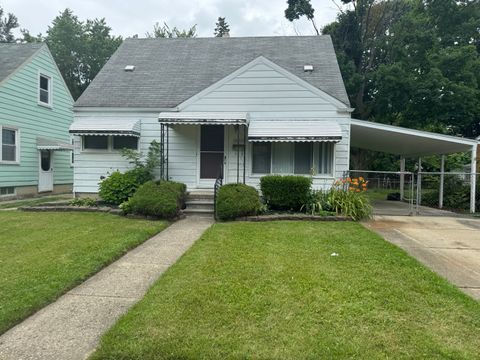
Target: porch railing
x=218 y=184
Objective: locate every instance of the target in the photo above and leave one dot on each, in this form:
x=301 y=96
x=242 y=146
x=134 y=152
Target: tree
x=80 y=49
x=7 y=24
x=299 y=8
x=221 y=28
x=165 y=32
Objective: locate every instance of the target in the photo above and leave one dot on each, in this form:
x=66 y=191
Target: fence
x=418 y=193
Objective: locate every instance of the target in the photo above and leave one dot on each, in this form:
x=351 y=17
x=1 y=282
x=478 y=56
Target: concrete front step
x=199 y=202
x=198 y=212
x=199 y=205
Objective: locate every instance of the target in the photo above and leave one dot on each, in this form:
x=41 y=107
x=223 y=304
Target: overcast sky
x=126 y=18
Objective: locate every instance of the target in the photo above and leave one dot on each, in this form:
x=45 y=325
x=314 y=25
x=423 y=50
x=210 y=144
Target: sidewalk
x=71 y=327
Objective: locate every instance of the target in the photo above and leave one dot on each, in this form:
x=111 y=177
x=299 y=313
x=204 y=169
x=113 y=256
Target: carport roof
x=407 y=142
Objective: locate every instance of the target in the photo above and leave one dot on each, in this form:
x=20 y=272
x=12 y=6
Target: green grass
x=33 y=201
x=379 y=194
x=42 y=255
x=273 y=291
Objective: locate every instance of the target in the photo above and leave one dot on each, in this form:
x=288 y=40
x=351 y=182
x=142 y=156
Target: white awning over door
x=106 y=127
x=203 y=118
x=52 y=144
x=294 y=130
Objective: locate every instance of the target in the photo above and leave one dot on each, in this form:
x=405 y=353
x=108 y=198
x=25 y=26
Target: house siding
x=267 y=94
x=19 y=108
x=260 y=90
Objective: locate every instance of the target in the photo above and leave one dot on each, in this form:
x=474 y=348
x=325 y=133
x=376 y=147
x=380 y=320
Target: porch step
x=199 y=202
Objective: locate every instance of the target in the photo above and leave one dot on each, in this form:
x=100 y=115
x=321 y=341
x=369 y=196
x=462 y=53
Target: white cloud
x=245 y=17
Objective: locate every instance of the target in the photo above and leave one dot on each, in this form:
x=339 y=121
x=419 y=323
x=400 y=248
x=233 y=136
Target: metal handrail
x=218 y=184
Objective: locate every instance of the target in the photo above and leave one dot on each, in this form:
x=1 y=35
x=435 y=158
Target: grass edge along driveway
x=273 y=291
x=43 y=255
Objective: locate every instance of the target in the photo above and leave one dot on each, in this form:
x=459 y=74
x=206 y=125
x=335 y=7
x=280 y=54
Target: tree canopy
x=7 y=24
x=80 y=49
x=412 y=63
x=164 y=31
x=221 y=28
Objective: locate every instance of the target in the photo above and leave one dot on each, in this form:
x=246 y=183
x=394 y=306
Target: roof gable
x=14 y=56
x=267 y=65
x=170 y=71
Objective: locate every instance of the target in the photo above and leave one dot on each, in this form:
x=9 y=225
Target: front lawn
x=274 y=291
x=42 y=255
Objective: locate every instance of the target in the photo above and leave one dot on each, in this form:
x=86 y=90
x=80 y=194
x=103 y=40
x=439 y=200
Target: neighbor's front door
x=45 y=173
x=211 y=153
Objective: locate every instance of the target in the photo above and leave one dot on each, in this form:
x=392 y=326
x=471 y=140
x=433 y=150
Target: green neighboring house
x=35 y=114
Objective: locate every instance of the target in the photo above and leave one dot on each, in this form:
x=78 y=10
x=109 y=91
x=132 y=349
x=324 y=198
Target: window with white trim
x=7 y=190
x=9 y=149
x=45 y=90
x=292 y=158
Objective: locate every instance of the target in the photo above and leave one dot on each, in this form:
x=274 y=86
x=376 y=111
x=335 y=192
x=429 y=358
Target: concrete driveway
x=449 y=245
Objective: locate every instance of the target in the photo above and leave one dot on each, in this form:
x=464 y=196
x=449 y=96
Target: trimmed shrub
x=288 y=192
x=119 y=187
x=237 y=200
x=161 y=199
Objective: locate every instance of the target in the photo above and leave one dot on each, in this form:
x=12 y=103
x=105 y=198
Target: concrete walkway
x=71 y=327
x=448 y=245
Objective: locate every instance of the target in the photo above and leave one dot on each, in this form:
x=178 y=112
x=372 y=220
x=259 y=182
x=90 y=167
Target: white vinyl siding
x=261 y=91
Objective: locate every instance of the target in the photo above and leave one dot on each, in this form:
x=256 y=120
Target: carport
x=409 y=143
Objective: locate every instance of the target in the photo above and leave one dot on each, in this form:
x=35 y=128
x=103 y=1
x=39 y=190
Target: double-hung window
x=9 y=150
x=45 y=90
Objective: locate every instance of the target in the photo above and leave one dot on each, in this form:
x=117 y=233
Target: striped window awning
x=106 y=127
x=203 y=118
x=294 y=130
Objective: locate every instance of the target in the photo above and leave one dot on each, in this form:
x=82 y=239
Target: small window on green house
x=44 y=93
x=9 y=144
x=7 y=190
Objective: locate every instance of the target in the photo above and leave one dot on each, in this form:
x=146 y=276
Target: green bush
x=237 y=200
x=288 y=192
x=83 y=202
x=119 y=187
x=317 y=203
x=456 y=194
x=163 y=199
x=352 y=204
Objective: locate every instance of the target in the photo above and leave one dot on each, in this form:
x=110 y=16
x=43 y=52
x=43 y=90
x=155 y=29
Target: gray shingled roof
x=169 y=71
x=14 y=55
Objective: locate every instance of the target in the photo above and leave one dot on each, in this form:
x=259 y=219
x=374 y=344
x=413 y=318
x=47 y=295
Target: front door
x=45 y=173
x=211 y=153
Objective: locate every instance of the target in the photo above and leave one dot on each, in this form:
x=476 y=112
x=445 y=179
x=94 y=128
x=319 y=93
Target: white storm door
x=45 y=171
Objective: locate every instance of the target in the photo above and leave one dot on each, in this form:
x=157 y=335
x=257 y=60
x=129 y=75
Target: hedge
x=162 y=200
x=287 y=192
x=119 y=187
x=237 y=200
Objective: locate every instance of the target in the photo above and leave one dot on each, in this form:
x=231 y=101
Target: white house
x=233 y=107
x=251 y=106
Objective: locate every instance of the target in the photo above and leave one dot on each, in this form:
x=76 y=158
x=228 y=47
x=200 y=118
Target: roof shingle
x=169 y=71
x=14 y=55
